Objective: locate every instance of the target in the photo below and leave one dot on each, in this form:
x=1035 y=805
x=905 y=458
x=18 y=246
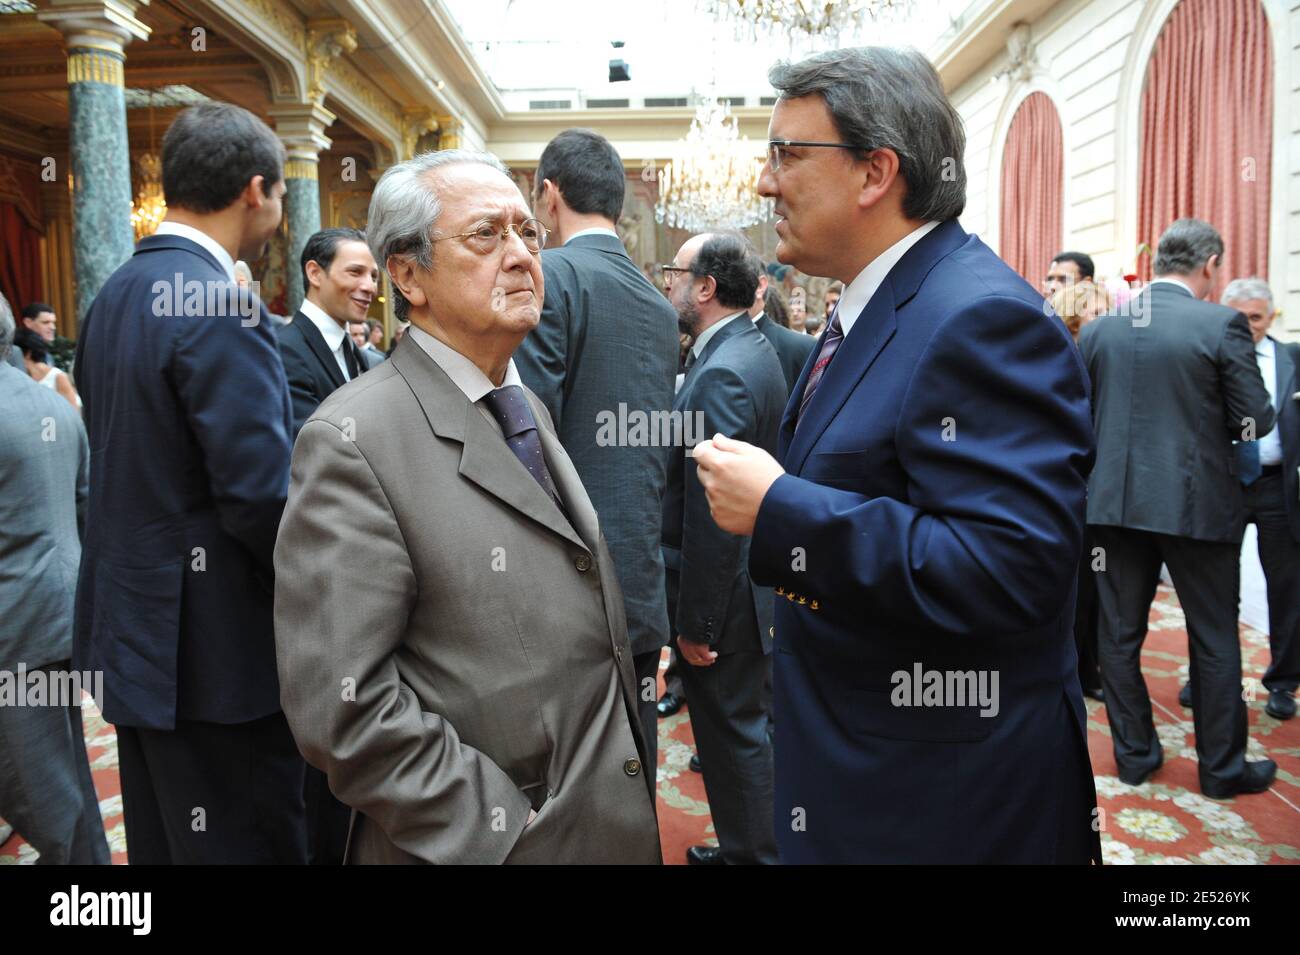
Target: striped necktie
x=830 y=345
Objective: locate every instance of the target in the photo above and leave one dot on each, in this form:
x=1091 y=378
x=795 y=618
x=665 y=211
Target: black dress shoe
x=1185 y=696
x=1257 y=778
x=704 y=855
x=1280 y=705
x=696 y=765
x=1139 y=777
x=669 y=704
x=1095 y=692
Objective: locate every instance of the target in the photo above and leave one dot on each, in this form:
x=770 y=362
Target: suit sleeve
x=339 y=630
x=542 y=358
x=303 y=396
x=995 y=439
x=231 y=382
x=1244 y=392
x=711 y=558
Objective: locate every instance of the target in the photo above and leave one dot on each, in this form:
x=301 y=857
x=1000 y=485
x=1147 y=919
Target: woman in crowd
x=36 y=358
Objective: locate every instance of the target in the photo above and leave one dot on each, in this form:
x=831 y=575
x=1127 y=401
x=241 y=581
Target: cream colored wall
x=1091 y=58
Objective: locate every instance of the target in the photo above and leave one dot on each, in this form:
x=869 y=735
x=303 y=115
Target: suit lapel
x=869 y=334
x=485 y=458
x=581 y=513
x=1285 y=368
x=316 y=342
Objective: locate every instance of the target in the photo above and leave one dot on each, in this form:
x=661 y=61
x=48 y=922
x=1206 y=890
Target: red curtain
x=1032 y=189
x=20 y=258
x=1207 y=131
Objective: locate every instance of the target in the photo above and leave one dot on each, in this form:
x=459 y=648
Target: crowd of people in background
x=410 y=604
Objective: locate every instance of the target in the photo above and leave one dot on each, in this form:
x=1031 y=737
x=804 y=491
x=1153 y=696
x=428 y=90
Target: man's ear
x=254 y=194
x=879 y=173
x=315 y=274
x=402 y=271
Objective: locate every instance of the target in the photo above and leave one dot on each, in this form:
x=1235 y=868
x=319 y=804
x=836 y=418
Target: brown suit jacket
x=452 y=650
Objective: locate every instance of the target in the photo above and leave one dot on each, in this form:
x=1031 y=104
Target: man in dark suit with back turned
x=1174 y=384
x=607 y=340
x=722 y=622
x=340 y=278
x=925 y=522
x=190 y=429
x=791 y=347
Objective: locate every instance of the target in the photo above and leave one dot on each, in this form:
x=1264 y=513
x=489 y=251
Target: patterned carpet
x=1165 y=821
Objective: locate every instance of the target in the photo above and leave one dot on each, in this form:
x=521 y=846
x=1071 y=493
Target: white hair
x=7 y=327
x=404 y=209
x=1247 y=290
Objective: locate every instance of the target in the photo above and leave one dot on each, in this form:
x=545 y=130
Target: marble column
x=302 y=129
x=96 y=35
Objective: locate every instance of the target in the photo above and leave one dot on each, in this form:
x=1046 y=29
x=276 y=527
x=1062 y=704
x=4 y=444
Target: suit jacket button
x=632 y=766
x=618 y=652
x=582 y=562
x=771 y=632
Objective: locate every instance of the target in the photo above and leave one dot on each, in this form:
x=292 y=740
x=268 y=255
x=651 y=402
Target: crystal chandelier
x=149 y=207
x=813 y=17
x=712 y=180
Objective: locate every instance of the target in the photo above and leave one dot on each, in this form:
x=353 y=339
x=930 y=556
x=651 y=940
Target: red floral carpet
x=1166 y=821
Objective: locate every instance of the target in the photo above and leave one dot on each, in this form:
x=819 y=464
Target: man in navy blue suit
x=188 y=416
x=924 y=524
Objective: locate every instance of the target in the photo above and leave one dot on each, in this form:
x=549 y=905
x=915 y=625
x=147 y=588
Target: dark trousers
x=46 y=790
x=1085 y=620
x=646 y=666
x=1279 y=553
x=208 y=793
x=729 y=716
x=673 y=675
x=1207 y=577
x=327 y=820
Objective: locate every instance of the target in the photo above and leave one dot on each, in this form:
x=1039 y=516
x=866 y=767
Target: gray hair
x=1247 y=290
x=1186 y=246
x=7 y=327
x=404 y=209
x=881 y=97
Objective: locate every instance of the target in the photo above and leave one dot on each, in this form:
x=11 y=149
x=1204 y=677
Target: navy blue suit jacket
x=190 y=430
x=932 y=514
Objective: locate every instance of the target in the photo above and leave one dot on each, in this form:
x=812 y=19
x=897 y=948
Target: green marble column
x=102 y=238
x=302 y=210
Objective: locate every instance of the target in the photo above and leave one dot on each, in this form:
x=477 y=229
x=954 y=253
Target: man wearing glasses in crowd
x=478 y=704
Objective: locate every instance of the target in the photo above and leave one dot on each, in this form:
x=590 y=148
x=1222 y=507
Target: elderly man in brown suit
x=474 y=703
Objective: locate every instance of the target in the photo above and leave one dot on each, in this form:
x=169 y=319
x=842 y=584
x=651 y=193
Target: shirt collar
x=1173 y=281
x=758 y=317
x=698 y=347
x=1264 y=347
x=466 y=375
x=598 y=230
x=860 y=291
x=201 y=238
x=330 y=330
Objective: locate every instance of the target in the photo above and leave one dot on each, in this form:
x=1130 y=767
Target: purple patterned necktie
x=830 y=344
x=509 y=406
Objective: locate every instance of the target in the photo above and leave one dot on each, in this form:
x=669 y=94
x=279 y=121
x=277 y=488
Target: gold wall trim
x=95 y=66
x=301 y=169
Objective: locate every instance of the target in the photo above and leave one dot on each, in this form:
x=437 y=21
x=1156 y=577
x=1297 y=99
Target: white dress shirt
x=598 y=230
x=1169 y=280
x=1270 y=446
x=202 y=238
x=334 y=334
x=860 y=291
x=466 y=375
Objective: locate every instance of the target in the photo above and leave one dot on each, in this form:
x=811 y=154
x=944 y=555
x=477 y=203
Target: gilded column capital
x=449 y=132
x=106 y=26
x=301 y=127
x=416 y=121
x=327 y=39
